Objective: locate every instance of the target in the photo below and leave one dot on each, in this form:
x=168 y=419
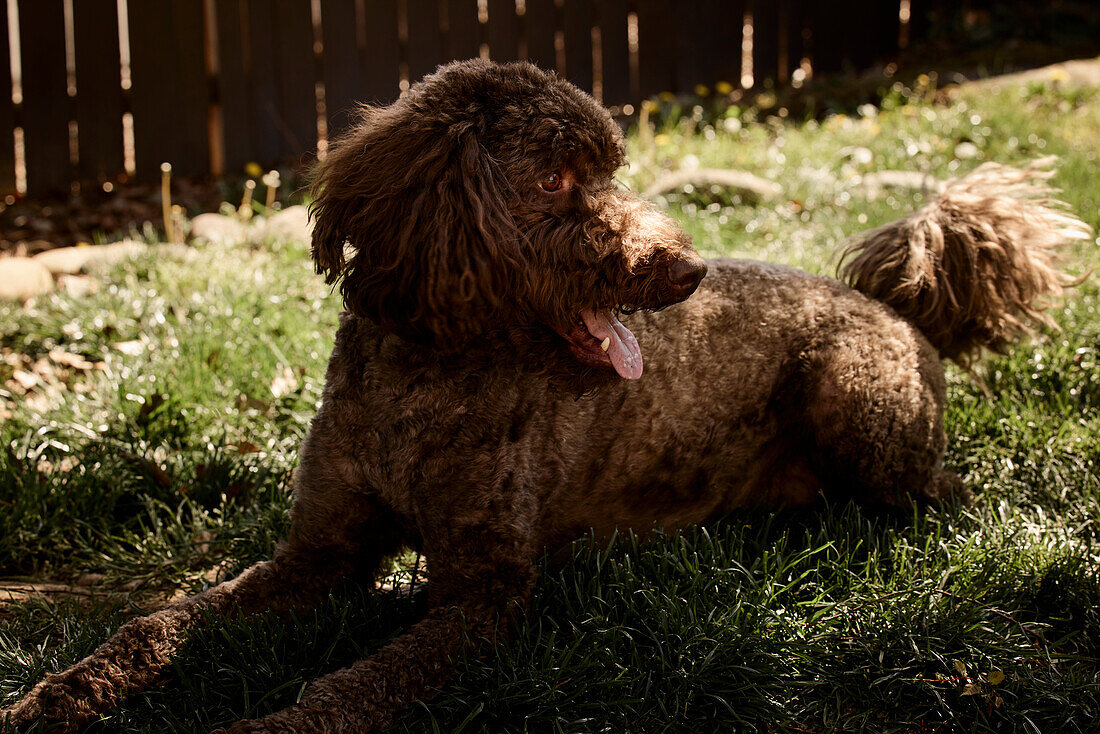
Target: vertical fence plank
x=503 y=30
x=765 y=42
x=830 y=34
x=792 y=23
x=708 y=37
x=234 y=83
x=695 y=41
x=656 y=54
x=45 y=100
x=296 y=72
x=614 y=51
x=578 y=43
x=263 y=95
x=99 y=103
x=7 y=117
x=381 y=73
x=540 y=25
x=464 y=30
x=342 y=62
x=170 y=93
x=425 y=38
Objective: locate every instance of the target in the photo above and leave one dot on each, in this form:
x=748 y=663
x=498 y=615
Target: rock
x=218 y=228
x=77 y=285
x=82 y=259
x=749 y=186
x=289 y=224
x=104 y=256
x=22 y=278
x=64 y=260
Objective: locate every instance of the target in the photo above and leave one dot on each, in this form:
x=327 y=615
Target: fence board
x=296 y=69
x=792 y=21
x=425 y=47
x=45 y=112
x=829 y=36
x=234 y=83
x=383 y=57
x=765 y=42
x=578 y=42
x=263 y=95
x=99 y=102
x=7 y=118
x=656 y=56
x=463 y=29
x=342 y=62
x=708 y=36
x=170 y=93
x=503 y=30
x=540 y=24
x=614 y=51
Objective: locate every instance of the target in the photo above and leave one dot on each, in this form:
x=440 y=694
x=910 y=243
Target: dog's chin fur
x=469 y=225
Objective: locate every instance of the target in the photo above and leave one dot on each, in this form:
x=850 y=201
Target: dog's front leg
x=481 y=578
x=139 y=654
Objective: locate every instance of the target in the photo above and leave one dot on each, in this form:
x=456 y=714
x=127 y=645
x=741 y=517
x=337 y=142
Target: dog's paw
x=280 y=723
x=41 y=702
x=25 y=711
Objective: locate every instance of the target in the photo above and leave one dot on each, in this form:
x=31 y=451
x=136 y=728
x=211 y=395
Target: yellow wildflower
x=723 y=88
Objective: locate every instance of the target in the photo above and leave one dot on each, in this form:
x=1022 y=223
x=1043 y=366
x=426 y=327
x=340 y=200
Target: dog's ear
x=412 y=223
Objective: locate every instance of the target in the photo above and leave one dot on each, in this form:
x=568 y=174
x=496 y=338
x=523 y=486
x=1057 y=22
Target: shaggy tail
x=977 y=266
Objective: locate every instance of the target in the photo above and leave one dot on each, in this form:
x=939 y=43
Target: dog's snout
x=685 y=273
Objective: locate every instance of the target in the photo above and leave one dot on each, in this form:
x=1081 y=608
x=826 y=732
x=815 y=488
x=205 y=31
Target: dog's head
x=481 y=203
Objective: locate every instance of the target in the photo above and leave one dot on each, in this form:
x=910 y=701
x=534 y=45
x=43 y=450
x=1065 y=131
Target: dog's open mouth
x=600 y=340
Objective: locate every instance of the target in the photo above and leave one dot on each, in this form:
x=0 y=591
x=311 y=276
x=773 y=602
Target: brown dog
x=485 y=259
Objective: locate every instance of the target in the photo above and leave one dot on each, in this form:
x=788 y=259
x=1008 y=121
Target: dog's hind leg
x=320 y=549
x=876 y=417
x=480 y=580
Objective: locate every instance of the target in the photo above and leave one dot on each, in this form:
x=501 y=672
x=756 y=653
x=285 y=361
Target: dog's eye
x=551 y=183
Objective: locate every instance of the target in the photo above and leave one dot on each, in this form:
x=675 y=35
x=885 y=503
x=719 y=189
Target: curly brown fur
x=974 y=268
x=483 y=253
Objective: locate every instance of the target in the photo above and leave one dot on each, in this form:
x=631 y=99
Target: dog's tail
x=977 y=266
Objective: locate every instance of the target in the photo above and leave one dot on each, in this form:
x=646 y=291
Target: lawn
x=148 y=432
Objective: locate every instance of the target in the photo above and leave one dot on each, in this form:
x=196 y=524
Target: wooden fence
x=103 y=91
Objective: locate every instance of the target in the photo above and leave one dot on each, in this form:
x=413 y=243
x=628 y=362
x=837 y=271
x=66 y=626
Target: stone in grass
x=22 y=278
x=218 y=229
x=290 y=224
x=83 y=259
x=64 y=260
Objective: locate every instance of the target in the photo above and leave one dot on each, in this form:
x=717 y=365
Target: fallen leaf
x=131 y=348
x=961 y=667
x=25 y=380
x=971 y=689
x=284 y=383
x=75 y=361
x=996 y=678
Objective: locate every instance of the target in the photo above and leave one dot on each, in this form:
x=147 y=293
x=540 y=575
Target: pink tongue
x=623 y=350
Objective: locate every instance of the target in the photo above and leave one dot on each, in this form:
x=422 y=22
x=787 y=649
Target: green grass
x=169 y=464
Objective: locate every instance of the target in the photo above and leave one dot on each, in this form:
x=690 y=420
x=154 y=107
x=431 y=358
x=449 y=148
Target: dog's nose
x=685 y=273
